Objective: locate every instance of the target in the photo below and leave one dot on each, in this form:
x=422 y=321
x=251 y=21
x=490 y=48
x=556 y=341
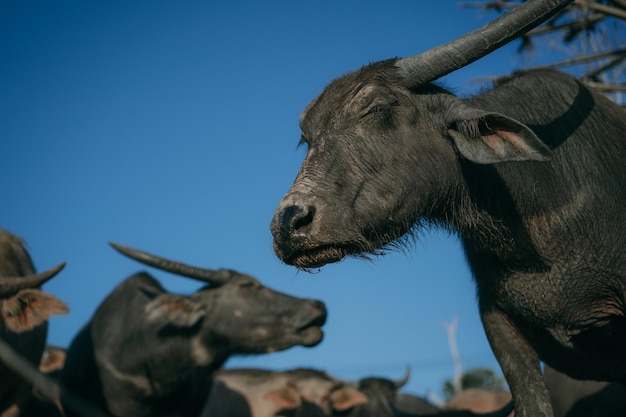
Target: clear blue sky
x=172 y=127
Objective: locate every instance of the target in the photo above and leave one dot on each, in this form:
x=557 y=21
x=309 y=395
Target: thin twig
x=606 y=87
x=605 y=67
x=581 y=59
x=601 y=8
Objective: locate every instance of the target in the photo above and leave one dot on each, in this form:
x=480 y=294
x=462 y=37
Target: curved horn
x=443 y=59
x=11 y=285
x=215 y=277
x=402 y=382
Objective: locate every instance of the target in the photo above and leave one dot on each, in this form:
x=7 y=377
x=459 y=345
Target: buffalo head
x=367 y=127
x=235 y=310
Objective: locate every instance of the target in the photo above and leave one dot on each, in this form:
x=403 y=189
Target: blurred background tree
x=479 y=377
x=482 y=378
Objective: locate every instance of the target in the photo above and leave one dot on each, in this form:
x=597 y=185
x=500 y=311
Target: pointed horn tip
x=52 y=272
x=59 y=267
x=407 y=375
x=127 y=250
x=117 y=246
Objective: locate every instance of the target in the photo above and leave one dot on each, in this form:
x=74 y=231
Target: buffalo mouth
x=311 y=333
x=318 y=256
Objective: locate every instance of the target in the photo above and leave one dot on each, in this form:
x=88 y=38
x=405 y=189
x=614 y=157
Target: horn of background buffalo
x=11 y=285
x=402 y=382
x=443 y=59
x=201 y=274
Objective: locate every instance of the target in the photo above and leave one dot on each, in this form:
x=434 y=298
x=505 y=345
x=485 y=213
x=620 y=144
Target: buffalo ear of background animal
x=345 y=398
x=487 y=138
x=30 y=308
x=174 y=310
x=285 y=398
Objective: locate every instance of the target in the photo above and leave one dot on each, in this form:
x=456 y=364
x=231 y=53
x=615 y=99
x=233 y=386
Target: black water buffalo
x=381 y=394
x=575 y=398
x=24 y=310
x=147 y=352
x=413 y=404
x=531 y=175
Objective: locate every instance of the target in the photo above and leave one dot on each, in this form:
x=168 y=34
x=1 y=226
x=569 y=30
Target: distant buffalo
x=305 y=392
x=265 y=393
x=531 y=176
x=148 y=352
x=24 y=310
x=384 y=400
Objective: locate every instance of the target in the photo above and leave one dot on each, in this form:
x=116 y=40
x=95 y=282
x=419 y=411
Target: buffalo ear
x=488 y=138
x=286 y=398
x=345 y=398
x=29 y=308
x=174 y=310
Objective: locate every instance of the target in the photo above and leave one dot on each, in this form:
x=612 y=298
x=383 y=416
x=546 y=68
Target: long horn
x=215 y=277
x=11 y=285
x=402 y=382
x=443 y=59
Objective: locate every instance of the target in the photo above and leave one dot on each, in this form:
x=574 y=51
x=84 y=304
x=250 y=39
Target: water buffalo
x=312 y=393
x=24 y=310
x=382 y=401
x=266 y=393
x=381 y=394
x=413 y=404
x=575 y=398
x=530 y=175
x=147 y=352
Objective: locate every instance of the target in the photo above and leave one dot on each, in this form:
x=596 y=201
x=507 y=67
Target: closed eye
x=379 y=108
x=251 y=284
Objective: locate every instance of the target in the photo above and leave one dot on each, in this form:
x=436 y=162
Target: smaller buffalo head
x=234 y=310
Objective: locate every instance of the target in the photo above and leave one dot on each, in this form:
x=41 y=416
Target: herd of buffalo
x=531 y=177
x=148 y=352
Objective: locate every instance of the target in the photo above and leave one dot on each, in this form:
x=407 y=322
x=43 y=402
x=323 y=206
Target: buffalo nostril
x=305 y=219
x=296 y=218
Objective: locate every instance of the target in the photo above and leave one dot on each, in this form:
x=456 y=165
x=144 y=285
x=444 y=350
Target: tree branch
x=601 y=8
x=606 y=87
x=585 y=58
x=454 y=350
x=593 y=74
